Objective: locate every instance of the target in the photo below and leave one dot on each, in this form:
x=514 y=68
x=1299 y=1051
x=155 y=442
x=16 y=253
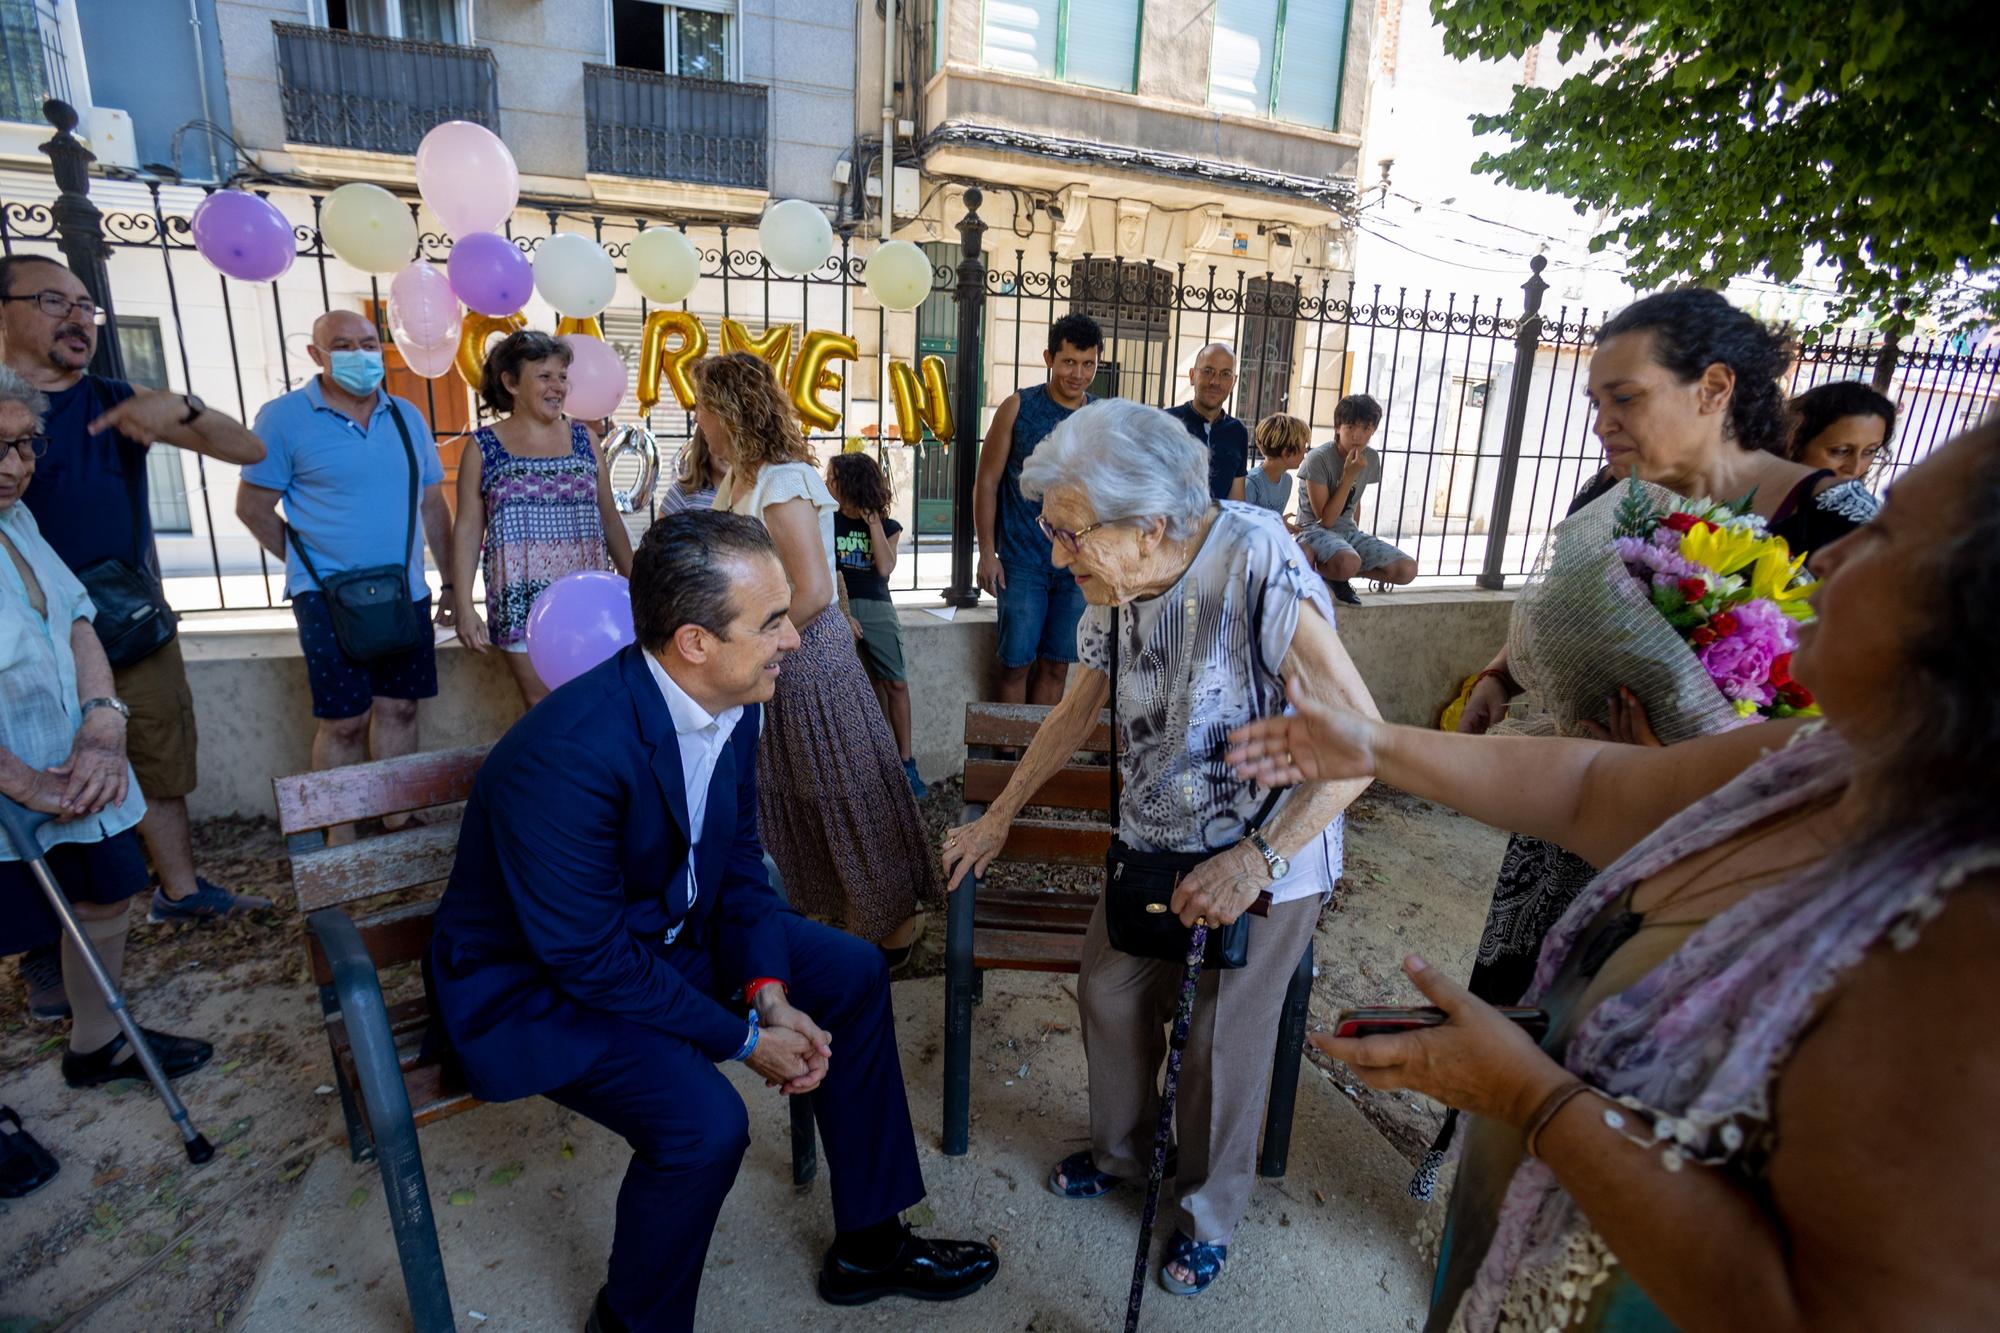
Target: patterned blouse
x=1194 y=663
x=542 y=522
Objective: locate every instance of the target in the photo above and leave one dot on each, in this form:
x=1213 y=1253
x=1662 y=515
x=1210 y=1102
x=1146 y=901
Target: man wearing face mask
x=359 y=474
x=92 y=504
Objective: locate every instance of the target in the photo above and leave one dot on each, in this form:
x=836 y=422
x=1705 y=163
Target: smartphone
x=1379 y=1021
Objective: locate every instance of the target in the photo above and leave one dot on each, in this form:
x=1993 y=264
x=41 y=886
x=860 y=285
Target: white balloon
x=662 y=264
x=796 y=237
x=574 y=275
x=898 y=274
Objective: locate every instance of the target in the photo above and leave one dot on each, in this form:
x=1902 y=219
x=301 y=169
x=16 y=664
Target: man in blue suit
x=609 y=937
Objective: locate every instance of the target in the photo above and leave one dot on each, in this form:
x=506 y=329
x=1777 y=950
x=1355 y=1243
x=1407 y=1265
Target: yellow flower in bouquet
x=1724 y=549
x=1775 y=575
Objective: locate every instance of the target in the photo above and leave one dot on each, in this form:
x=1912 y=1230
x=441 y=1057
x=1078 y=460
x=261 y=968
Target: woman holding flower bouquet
x=1765 y=1098
x=1687 y=398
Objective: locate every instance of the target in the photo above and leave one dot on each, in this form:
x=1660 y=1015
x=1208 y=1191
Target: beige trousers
x=1128 y=1006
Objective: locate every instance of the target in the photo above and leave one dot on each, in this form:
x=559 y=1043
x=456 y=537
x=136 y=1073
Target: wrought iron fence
x=381 y=94
x=1486 y=438
x=662 y=127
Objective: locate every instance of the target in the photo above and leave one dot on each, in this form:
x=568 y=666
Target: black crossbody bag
x=133 y=618
x=373 y=614
x=1139 y=886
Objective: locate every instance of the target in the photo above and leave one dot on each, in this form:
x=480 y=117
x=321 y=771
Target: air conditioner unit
x=907 y=182
x=109 y=131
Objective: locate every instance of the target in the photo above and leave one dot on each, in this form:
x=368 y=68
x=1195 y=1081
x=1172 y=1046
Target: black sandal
x=1080 y=1178
x=25 y=1165
x=177 y=1056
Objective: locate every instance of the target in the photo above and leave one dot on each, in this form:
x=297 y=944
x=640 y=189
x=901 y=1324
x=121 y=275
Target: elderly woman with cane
x=1199 y=616
x=1766 y=1096
x=62 y=754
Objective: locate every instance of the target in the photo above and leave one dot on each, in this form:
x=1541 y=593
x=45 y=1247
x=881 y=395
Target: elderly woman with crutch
x=1200 y=614
x=62 y=758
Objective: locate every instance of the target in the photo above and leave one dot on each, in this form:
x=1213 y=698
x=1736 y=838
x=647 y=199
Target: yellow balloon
x=811 y=377
x=773 y=345
x=657 y=361
x=588 y=328
x=472 y=336
x=917 y=407
x=368 y=227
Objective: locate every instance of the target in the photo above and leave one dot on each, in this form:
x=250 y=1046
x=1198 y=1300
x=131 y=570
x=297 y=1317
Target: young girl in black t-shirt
x=864 y=550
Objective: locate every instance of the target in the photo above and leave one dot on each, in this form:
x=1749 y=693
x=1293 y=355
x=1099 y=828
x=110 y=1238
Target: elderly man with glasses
x=92 y=504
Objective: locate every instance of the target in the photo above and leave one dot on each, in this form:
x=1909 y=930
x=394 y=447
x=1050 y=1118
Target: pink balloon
x=596 y=379
x=577 y=623
x=422 y=308
x=468 y=177
x=490 y=274
x=243 y=235
x=431 y=360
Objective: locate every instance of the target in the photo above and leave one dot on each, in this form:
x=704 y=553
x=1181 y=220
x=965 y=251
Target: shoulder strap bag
x=133 y=618
x=1139 y=886
x=374 y=617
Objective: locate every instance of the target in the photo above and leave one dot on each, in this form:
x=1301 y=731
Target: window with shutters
x=1281 y=59
x=1092 y=42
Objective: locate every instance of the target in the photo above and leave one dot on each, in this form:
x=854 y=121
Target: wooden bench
x=388 y=1084
x=1041 y=929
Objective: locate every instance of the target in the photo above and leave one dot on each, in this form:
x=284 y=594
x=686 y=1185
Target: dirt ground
x=131 y=1237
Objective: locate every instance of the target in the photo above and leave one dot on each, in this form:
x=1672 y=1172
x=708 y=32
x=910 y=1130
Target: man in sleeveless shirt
x=1039 y=604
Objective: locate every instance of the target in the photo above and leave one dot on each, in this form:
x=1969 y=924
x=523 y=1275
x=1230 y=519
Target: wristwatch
x=105 y=701
x=195 y=408
x=1280 y=867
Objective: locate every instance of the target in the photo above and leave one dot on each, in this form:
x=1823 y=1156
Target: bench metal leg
x=1285 y=1069
x=961 y=987
x=360 y=1144
x=805 y=1146
x=359 y=993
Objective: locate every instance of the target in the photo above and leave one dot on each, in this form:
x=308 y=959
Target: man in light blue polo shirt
x=337 y=458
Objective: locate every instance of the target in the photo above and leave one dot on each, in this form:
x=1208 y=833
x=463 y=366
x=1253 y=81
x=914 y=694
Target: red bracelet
x=750 y=991
x=1507 y=682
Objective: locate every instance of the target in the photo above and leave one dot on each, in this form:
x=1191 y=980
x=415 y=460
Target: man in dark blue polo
x=1226 y=439
x=360 y=478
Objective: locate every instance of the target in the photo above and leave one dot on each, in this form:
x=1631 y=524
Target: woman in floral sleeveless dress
x=534 y=502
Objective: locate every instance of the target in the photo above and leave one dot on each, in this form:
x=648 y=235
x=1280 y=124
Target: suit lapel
x=656 y=729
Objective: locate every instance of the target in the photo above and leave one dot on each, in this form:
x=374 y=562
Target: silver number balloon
x=639 y=442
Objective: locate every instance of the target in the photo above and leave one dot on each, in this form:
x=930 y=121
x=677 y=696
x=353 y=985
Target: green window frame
x=1061 y=63
x=1338 y=11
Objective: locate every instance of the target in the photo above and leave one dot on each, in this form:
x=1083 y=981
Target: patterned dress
x=542 y=522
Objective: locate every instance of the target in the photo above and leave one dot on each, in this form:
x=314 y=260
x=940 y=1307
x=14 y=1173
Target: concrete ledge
x=254 y=710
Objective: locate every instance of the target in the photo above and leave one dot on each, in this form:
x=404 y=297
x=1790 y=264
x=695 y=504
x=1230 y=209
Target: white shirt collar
x=689 y=716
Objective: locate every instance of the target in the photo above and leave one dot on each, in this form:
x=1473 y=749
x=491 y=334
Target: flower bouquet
x=1691 y=604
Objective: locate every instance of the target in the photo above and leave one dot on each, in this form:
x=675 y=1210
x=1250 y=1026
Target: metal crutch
x=1177 y=1044
x=20 y=825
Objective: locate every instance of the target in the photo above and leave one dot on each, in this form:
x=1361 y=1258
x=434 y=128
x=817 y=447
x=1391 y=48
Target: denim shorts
x=1039 y=609
x=342 y=687
x=1326 y=543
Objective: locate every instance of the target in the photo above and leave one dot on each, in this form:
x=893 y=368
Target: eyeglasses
x=1211 y=373
x=57 y=306
x=29 y=447
x=1071 y=541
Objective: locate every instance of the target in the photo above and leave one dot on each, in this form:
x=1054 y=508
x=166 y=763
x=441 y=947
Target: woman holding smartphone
x=1769 y=1040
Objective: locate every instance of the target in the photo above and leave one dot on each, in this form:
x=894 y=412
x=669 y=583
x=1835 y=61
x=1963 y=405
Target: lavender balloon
x=244 y=236
x=490 y=274
x=578 y=622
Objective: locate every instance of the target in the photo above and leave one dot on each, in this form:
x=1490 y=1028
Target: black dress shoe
x=1343 y=592
x=602 y=1318
x=112 y=1061
x=929 y=1270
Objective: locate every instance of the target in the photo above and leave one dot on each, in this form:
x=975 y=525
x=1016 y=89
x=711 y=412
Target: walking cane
x=1197 y=945
x=20 y=825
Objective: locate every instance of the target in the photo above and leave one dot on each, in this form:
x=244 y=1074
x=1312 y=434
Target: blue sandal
x=1077 y=1177
x=1204 y=1261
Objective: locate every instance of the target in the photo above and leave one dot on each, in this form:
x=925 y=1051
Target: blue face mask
x=357 y=372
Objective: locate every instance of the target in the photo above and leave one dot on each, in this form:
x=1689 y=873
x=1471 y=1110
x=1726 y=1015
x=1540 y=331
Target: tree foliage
x=1726 y=139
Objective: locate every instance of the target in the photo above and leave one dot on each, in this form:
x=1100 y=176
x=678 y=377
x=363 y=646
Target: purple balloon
x=490 y=274
x=244 y=236
x=577 y=623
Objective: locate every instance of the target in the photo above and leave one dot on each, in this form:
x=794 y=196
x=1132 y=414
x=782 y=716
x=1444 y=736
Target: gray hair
x=14 y=388
x=1133 y=462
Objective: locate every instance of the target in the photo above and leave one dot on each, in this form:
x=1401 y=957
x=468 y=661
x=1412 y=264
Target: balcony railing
x=704 y=131
x=32 y=65
x=381 y=94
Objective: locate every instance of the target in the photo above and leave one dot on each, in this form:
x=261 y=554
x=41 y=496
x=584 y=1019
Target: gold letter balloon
x=657 y=361
x=773 y=345
x=810 y=375
x=472 y=336
x=917 y=408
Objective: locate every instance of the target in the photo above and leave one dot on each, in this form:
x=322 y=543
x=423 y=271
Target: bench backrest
x=1084 y=788
x=311 y=803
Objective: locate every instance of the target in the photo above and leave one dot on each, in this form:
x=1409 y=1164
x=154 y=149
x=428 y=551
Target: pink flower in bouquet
x=1741 y=660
